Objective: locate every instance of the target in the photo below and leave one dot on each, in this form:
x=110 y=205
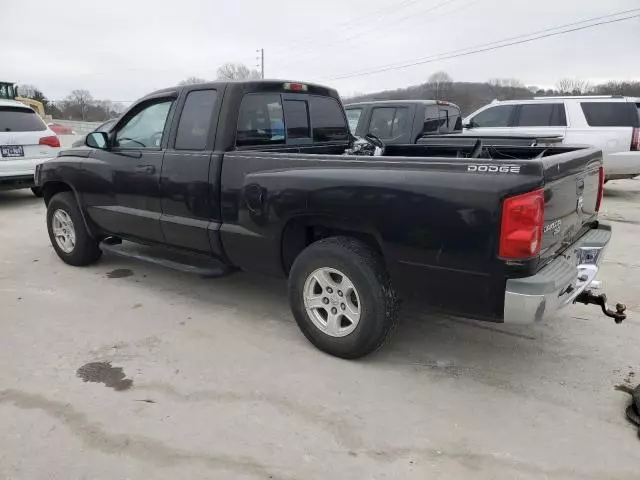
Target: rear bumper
x=538 y=297
x=15 y=182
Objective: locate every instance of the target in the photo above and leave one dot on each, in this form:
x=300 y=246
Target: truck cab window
x=382 y=122
x=389 y=122
x=296 y=115
x=329 y=123
x=195 y=120
x=145 y=128
x=260 y=120
x=498 y=116
x=433 y=119
x=353 y=117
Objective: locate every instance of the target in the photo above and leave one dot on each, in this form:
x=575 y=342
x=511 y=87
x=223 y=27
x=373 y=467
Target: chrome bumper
x=534 y=298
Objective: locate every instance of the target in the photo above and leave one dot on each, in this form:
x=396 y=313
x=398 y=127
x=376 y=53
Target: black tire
x=365 y=269
x=37 y=191
x=86 y=250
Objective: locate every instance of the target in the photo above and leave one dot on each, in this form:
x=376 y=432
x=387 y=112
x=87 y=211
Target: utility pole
x=261 y=61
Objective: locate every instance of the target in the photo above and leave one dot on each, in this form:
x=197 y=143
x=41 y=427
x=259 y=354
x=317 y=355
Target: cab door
x=122 y=188
x=190 y=196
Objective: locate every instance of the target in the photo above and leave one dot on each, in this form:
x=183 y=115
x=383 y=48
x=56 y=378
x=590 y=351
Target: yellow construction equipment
x=9 y=91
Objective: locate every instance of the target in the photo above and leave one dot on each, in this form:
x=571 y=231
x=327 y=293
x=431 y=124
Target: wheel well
x=50 y=189
x=298 y=235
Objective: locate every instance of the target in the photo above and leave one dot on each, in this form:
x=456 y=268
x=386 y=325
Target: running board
x=170 y=258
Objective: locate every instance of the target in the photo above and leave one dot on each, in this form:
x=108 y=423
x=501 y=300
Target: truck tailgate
x=571 y=195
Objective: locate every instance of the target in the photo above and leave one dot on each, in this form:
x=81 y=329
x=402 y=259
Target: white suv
x=611 y=123
x=25 y=141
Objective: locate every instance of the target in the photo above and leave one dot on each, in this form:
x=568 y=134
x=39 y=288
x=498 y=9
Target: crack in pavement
x=140 y=447
x=339 y=428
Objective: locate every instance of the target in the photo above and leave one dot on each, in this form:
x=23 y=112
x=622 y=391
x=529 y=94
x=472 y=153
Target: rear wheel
x=341 y=297
x=68 y=233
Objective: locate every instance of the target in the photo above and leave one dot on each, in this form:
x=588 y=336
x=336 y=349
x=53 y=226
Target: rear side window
x=296 y=116
x=381 y=122
x=260 y=120
x=18 y=119
x=498 y=116
x=328 y=120
x=434 y=119
x=610 y=114
x=353 y=117
x=542 y=115
x=448 y=118
x=195 y=120
x=389 y=122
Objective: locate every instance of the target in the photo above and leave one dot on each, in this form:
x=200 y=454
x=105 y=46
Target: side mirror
x=97 y=140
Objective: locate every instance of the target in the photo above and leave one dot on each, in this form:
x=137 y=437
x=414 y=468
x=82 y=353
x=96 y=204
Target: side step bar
x=169 y=258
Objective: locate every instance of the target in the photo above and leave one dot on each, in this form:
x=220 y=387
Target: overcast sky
x=122 y=49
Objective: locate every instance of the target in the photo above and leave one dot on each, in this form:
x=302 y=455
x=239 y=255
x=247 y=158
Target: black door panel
x=126 y=198
x=186 y=200
x=122 y=187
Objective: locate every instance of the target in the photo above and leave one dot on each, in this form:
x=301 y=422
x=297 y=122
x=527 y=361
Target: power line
x=491 y=46
x=413 y=16
x=375 y=14
x=342 y=40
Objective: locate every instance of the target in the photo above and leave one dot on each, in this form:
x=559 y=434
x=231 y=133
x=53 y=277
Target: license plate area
x=11 y=151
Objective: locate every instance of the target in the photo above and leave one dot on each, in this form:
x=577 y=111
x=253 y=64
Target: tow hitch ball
x=588 y=298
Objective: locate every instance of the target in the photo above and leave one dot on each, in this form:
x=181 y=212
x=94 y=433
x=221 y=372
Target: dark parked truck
x=254 y=175
x=403 y=121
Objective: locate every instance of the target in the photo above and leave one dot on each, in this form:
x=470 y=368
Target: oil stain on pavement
x=120 y=273
x=103 y=372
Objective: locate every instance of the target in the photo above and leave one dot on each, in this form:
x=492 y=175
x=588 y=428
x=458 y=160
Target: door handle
x=145 y=169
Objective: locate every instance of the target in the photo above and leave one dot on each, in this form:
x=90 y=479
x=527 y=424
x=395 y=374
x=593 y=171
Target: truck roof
x=252 y=85
x=400 y=102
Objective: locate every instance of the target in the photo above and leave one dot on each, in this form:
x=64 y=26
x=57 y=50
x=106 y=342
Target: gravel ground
x=217 y=382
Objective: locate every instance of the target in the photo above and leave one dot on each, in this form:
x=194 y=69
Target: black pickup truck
x=255 y=175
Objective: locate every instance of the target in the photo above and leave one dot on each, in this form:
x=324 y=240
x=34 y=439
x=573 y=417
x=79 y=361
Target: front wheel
x=341 y=297
x=68 y=233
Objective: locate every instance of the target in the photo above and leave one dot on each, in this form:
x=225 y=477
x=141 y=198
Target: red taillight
x=635 y=140
x=52 y=141
x=600 y=188
x=522 y=224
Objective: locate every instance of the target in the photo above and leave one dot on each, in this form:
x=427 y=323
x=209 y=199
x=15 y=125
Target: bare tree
x=192 y=81
x=236 y=71
x=440 y=83
x=81 y=99
x=506 y=83
x=573 y=86
x=28 y=91
x=508 y=88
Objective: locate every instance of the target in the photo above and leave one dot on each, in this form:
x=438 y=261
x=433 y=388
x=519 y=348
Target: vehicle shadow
x=433 y=342
x=625 y=189
x=14 y=198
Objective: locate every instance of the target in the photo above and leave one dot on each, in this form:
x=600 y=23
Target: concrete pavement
x=224 y=385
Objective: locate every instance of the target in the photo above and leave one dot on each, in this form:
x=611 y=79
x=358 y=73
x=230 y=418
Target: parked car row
x=610 y=123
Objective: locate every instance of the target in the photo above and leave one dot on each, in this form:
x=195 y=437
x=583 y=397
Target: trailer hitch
x=589 y=298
